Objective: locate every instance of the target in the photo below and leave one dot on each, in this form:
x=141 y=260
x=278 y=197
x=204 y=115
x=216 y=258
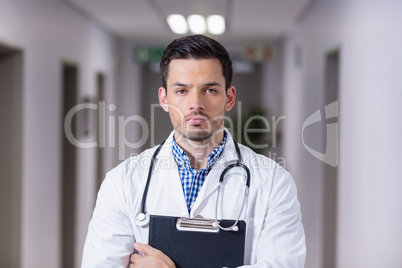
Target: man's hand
x=152 y=258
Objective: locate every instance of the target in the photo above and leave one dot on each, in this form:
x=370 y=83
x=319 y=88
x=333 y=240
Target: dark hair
x=196 y=47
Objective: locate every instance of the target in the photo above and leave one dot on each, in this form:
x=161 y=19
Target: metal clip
x=198 y=223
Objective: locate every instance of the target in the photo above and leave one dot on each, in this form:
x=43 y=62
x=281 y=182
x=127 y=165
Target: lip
x=196 y=120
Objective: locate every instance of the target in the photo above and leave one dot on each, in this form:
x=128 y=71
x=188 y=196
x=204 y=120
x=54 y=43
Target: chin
x=196 y=134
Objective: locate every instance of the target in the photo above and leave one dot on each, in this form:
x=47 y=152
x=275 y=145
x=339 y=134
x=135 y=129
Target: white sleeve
x=110 y=238
x=282 y=240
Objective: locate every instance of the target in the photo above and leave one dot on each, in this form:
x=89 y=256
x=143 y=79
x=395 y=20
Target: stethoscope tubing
x=142 y=216
x=144 y=195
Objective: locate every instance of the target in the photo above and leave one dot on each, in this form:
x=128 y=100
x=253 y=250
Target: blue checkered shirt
x=191 y=178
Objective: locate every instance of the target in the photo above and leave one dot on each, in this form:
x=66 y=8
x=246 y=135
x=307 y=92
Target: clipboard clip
x=197 y=224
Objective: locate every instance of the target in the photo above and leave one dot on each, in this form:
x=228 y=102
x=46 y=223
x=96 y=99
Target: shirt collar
x=182 y=159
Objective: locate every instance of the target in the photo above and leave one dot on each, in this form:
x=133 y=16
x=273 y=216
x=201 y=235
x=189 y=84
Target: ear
x=163 y=99
x=230 y=98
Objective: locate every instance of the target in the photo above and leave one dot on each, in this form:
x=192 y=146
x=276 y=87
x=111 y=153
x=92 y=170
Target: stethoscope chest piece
x=142 y=219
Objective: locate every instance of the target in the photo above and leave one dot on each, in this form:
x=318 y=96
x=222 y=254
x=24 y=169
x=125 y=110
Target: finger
x=132 y=257
x=146 y=249
x=135 y=259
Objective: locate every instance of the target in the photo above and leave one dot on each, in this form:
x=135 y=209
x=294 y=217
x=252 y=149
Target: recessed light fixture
x=216 y=24
x=197 y=24
x=177 y=23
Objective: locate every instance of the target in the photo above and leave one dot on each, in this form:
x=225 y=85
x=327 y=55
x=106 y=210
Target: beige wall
x=49 y=32
x=370 y=127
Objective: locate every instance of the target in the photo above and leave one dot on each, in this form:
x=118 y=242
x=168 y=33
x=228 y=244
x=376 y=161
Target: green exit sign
x=146 y=55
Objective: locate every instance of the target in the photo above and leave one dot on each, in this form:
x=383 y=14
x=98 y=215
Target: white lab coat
x=274 y=235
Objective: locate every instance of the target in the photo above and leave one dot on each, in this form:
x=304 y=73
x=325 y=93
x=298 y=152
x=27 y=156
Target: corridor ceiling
x=146 y=19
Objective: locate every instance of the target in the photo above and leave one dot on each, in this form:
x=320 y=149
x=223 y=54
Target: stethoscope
x=142 y=218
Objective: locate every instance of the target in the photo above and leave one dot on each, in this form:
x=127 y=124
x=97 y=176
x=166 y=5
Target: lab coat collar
x=229 y=155
x=211 y=183
x=170 y=172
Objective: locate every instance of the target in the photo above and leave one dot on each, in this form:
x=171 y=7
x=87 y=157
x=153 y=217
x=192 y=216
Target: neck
x=198 y=151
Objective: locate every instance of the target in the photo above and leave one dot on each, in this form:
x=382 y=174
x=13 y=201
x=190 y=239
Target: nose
x=196 y=101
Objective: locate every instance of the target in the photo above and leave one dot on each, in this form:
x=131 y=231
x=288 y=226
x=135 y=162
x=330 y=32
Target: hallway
x=78 y=92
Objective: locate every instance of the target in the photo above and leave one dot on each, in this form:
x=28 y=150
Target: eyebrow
x=178 y=84
x=209 y=84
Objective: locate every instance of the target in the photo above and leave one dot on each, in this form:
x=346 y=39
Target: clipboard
x=192 y=243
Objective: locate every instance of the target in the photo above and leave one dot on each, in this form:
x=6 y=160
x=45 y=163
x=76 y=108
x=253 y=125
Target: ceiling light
x=177 y=23
x=197 y=24
x=216 y=24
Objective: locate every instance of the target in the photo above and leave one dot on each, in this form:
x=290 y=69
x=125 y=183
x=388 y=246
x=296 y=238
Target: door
x=330 y=172
x=10 y=155
x=69 y=166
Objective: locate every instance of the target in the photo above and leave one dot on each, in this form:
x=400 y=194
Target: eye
x=180 y=91
x=211 y=90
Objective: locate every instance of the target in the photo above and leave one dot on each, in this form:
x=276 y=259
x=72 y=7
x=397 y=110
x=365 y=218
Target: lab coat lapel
x=212 y=181
x=169 y=180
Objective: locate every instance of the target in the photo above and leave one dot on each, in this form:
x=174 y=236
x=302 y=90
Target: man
x=196 y=75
